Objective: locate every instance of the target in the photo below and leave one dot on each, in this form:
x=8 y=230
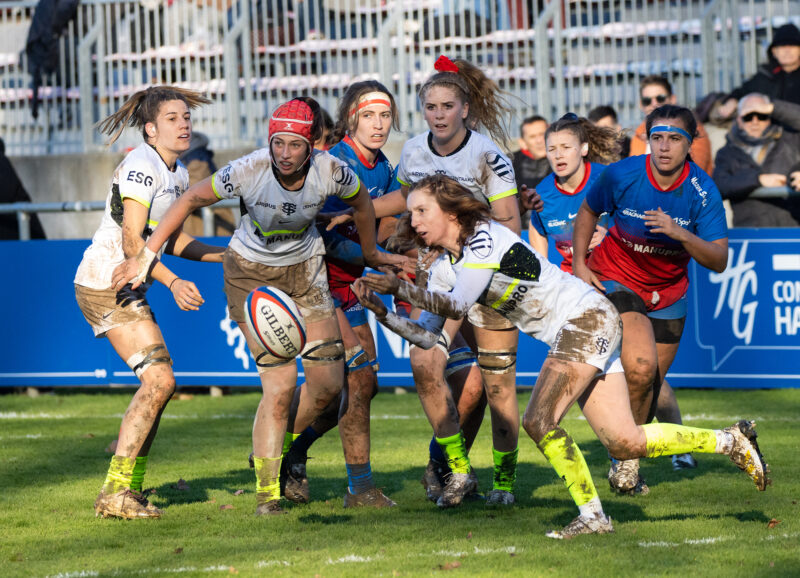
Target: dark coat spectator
x=12 y=191
x=759 y=152
x=779 y=78
x=530 y=161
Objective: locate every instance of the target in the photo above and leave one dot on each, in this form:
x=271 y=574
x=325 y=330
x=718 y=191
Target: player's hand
x=582 y=272
x=597 y=237
x=531 y=201
x=368 y=299
x=336 y=219
x=379 y=259
x=660 y=222
x=186 y=295
x=133 y=269
x=387 y=283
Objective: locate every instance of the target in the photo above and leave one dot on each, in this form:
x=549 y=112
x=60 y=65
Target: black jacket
x=736 y=172
x=12 y=191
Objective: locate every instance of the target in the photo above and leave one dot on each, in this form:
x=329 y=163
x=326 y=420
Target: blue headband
x=670 y=128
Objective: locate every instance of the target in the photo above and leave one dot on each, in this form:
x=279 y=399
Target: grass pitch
x=709 y=521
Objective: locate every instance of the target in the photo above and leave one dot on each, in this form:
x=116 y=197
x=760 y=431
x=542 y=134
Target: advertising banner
x=743 y=328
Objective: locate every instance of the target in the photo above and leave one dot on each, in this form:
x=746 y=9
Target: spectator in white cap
x=760 y=152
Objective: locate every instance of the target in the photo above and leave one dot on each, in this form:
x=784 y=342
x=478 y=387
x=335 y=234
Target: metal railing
x=24 y=211
x=250 y=55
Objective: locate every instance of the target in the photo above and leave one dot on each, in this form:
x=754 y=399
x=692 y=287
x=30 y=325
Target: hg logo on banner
x=752 y=306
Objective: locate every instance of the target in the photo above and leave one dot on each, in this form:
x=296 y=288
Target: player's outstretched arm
x=583 y=230
x=364 y=218
x=187 y=247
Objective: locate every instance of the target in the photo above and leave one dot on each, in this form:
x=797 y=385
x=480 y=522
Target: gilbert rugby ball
x=274 y=321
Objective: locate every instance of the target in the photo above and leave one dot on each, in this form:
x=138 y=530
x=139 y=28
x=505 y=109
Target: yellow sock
x=567 y=460
x=268 y=485
x=119 y=474
x=288 y=440
x=137 y=479
x=666 y=439
x=455 y=450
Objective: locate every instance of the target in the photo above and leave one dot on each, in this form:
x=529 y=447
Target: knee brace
x=322 y=352
x=376 y=366
x=496 y=362
x=458 y=360
x=355 y=358
x=265 y=362
x=141 y=361
x=625 y=301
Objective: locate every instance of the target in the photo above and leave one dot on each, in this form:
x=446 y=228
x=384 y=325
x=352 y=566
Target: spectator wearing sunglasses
x=761 y=152
x=656 y=91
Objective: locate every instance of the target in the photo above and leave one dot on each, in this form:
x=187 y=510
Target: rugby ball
x=275 y=322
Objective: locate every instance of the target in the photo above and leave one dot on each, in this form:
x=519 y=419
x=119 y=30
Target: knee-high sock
x=567 y=460
x=455 y=450
x=268 y=486
x=119 y=474
x=137 y=480
x=505 y=469
x=666 y=439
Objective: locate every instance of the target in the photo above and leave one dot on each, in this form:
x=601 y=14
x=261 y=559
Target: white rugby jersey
x=278 y=228
x=144 y=177
x=477 y=164
x=525 y=287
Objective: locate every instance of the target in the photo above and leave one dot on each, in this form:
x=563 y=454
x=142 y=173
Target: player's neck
x=367 y=153
x=665 y=179
x=168 y=156
x=444 y=148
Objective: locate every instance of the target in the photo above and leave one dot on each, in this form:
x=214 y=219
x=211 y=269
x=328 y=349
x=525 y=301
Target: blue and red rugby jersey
x=652 y=265
x=560 y=209
x=378 y=179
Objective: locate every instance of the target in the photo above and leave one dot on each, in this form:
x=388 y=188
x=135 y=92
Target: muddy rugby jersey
x=277 y=227
x=525 y=288
x=557 y=218
x=652 y=264
x=477 y=164
x=377 y=179
x=144 y=177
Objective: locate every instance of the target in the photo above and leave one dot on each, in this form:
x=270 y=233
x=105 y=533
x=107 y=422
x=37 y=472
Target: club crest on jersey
x=481 y=244
x=288 y=208
x=500 y=166
x=343 y=176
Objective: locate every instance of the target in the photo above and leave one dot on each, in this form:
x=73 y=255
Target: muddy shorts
x=591 y=336
x=487 y=318
x=306 y=283
x=105 y=309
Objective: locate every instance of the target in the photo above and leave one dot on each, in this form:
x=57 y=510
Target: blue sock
x=305 y=440
x=360 y=478
x=435 y=452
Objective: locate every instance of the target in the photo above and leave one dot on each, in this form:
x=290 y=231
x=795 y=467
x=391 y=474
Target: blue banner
x=743 y=328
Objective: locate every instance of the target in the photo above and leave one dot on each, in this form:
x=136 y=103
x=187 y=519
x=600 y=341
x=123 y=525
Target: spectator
x=606 y=116
x=12 y=191
x=530 y=162
x=760 y=153
x=779 y=78
x=199 y=161
x=655 y=91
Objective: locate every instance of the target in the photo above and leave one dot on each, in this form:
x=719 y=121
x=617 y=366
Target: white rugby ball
x=275 y=322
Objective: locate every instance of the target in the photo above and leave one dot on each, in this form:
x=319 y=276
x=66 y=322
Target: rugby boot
x=147 y=505
x=500 y=498
x=457 y=487
x=624 y=478
x=745 y=453
x=123 y=504
x=683 y=462
x=583 y=525
x=271 y=508
x=372 y=498
x=294 y=482
x=250 y=461
x=433 y=479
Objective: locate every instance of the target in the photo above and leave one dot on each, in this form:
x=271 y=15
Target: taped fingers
x=151 y=355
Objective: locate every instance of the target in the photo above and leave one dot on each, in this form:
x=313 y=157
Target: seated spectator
x=12 y=191
x=760 y=153
x=530 y=161
x=779 y=78
x=199 y=161
x=606 y=116
x=655 y=91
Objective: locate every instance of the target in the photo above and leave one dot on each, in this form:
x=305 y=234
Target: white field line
x=35 y=436
x=476 y=550
x=713 y=540
x=272 y=563
x=10 y=415
x=351 y=558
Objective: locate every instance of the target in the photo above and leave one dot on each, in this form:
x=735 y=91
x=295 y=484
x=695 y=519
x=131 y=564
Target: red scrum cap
x=293 y=118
